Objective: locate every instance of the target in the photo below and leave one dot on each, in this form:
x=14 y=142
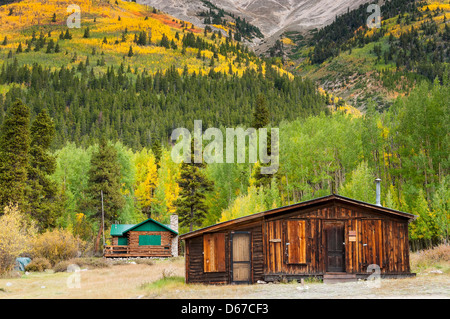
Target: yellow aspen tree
x=167 y=189
x=146 y=179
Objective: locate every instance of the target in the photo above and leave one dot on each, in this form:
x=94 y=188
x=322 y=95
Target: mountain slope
x=273 y=17
x=363 y=65
x=115 y=33
x=133 y=74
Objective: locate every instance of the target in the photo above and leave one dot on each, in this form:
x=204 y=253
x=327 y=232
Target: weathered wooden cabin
x=332 y=235
x=146 y=239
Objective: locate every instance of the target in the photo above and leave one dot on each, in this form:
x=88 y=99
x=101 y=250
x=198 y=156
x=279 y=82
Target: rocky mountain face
x=272 y=17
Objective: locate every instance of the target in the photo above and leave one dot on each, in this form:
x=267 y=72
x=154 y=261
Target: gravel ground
x=423 y=286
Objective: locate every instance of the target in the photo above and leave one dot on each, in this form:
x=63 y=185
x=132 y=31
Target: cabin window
x=122 y=241
x=214 y=252
x=149 y=240
x=296 y=241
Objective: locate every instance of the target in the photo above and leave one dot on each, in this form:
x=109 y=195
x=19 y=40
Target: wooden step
x=331 y=278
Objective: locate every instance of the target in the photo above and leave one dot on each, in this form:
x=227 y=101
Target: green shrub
x=38 y=264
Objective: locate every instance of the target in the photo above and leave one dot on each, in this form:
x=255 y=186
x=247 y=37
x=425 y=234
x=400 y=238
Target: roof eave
x=311 y=202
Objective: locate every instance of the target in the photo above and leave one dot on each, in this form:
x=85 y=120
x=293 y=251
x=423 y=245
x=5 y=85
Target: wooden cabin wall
x=195 y=258
x=379 y=240
x=195 y=263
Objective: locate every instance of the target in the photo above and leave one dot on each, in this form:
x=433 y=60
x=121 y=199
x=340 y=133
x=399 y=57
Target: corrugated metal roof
x=119 y=229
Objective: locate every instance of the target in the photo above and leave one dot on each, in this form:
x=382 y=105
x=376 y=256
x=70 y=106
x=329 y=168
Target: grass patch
x=165 y=283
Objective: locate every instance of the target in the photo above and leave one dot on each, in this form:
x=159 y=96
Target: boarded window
x=214 y=252
x=296 y=241
x=149 y=240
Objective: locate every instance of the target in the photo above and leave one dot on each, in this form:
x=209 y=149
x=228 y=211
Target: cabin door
x=335 y=245
x=241 y=257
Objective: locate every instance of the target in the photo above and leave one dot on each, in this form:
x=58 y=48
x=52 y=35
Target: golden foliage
x=147 y=177
x=16 y=236
x=56 y=245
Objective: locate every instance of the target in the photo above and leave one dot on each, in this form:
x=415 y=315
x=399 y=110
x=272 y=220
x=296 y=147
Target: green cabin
x=149 y=238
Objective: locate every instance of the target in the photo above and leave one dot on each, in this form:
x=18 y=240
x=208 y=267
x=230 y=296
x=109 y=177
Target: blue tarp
x=21 y=263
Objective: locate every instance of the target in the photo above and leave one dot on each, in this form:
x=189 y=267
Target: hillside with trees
x=360 y=64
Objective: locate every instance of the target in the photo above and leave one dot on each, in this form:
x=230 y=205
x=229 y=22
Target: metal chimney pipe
x=378 y=202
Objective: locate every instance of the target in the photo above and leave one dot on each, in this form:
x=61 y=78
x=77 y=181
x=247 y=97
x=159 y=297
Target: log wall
x=134 y=250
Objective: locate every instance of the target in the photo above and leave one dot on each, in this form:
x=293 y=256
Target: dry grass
x=435 y=258
x=117 y=281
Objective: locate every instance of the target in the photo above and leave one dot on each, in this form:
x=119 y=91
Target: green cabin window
x=122 y=241
x=149 y=240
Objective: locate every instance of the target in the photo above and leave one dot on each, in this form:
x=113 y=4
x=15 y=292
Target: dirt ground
x=134 y=281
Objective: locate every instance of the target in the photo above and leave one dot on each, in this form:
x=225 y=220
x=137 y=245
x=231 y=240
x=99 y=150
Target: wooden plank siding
x=381 y=241
x=371 y=236
x=214 y=252
x=195 y=259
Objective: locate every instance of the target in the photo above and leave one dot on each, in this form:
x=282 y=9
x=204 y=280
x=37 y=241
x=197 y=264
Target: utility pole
x=103 y=220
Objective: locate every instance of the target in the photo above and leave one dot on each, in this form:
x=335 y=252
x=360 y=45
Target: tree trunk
x=97 y=241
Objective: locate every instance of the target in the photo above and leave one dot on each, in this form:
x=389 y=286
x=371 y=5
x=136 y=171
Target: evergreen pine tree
x=14 y=146
x=165 y=42
x=67 y=35
x=261 y=116
x=191 y=203
x=86 y=33
x=157 y=151
x=142 y=39
x=41 y=190
x=50 y=46
x=130 y=52
x=104 y=176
